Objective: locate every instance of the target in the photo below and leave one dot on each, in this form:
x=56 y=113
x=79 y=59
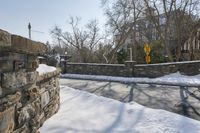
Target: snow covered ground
x=82 y=112
x=43 y=68
x=171 y=79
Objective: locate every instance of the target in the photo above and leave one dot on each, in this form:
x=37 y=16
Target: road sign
x=147 y=59
x=147 y=49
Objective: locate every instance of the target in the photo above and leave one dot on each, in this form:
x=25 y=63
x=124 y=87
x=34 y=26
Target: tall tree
x=178 y=14
x=122 y=16
x=168 y=17
x=83 y=40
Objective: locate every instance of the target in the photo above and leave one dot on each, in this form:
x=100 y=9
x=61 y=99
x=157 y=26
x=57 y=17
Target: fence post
x=184 y=103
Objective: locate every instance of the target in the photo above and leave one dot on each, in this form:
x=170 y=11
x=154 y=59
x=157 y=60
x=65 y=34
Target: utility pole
x=29 y=30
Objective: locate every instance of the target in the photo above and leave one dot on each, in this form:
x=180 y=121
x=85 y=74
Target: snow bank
x=43 y=69
x=171 y=79
x=81 y=112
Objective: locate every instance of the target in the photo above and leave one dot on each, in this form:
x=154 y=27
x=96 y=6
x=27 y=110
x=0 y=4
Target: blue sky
x=45 y=14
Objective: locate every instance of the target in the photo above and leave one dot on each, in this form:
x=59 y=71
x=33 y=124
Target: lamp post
x=29 y=30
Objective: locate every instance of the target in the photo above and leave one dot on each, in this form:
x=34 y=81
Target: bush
x=157 y=52
x=121 y=56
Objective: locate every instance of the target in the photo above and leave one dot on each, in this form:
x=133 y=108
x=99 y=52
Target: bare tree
x=122 y=17
x=83 y=40
x=168 y=17
x=184 y=16
x=161 y=7
x=93 y=34
x=178 y=15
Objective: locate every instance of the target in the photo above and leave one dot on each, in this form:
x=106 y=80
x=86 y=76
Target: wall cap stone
x=11 y=42
x=5 y=39
x=49 y=75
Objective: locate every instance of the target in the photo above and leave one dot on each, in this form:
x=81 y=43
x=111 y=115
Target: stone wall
x=157 y=70
x=130 y=69
x=98 y=69
x=27 y=99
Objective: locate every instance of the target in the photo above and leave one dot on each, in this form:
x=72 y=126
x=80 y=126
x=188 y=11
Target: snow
x=43 y=69
x=170 y=63
x=82 y=112
x=171 y=79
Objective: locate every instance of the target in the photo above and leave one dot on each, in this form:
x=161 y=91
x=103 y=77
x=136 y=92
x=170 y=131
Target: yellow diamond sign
x=147 y=49
x=148 y=59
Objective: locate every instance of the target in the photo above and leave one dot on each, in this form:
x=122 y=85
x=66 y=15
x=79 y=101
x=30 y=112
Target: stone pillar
x=129 y=66
x=63 y=65
x=25 y=100
x=5 y=39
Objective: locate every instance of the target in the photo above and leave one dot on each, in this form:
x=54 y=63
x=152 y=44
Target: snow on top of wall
x=82 y=112
x=171 y=79
x=43 y=69
x=169 y=63
x=96 y=64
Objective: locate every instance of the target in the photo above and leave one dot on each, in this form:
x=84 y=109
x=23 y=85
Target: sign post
x=147 y=50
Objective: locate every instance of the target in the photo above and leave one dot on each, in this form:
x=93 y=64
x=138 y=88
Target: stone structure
x=191 y=48
x=156 y=70
x=130 y=69
x=96 y=69
x=27 y=99
x=63 y=61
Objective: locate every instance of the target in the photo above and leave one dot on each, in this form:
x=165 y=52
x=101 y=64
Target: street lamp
x=29 y=30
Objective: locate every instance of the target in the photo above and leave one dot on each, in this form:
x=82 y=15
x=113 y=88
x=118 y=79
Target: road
x=154 y=96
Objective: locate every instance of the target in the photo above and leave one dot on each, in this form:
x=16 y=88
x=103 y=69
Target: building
x=191 y=48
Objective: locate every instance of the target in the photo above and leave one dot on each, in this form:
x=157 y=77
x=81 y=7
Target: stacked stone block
x=27 y=99
x=96 y=69
x=131 y=69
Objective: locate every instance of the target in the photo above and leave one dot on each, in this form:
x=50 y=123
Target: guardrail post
x=184 y=103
